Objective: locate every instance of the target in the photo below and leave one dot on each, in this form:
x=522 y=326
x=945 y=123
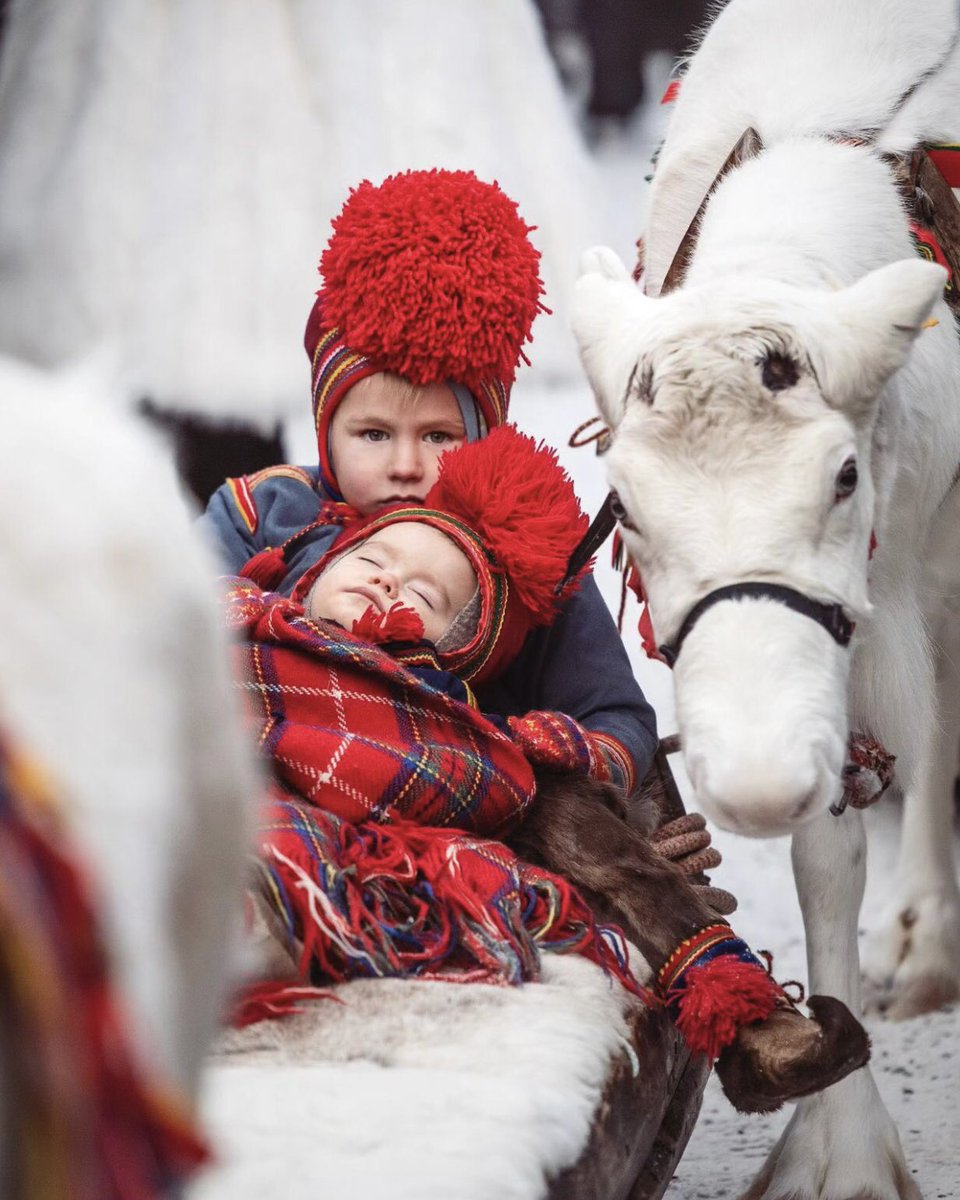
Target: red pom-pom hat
x=431 y=275
x=506 y=502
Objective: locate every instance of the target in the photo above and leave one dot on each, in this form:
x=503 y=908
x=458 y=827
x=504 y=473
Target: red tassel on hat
x=267 y=568
x=399 y=623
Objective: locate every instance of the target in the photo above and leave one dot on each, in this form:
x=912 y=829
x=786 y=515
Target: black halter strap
x=830 y=616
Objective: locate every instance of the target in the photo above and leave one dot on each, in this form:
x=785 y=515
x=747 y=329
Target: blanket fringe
x=406 y=899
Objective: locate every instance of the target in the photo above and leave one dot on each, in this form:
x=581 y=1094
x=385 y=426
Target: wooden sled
x=567 y=1089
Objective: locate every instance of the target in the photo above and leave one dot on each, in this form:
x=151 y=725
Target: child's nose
x=407 y=461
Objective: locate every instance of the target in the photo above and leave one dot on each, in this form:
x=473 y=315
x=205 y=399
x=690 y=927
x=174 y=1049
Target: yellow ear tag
x=930 y=323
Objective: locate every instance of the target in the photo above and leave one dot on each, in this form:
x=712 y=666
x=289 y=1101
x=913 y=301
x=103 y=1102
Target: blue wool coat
x=577 y=665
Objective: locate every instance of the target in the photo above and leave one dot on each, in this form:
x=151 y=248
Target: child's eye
x=425 y=598
x=372 y=561
x=439 y=437
x=374 y=435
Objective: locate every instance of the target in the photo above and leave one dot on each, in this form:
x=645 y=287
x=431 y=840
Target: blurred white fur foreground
x=114 y=676
x=415 y=1091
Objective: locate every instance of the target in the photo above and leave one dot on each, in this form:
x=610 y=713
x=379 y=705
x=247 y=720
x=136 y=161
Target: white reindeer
x=114 y=677
x=782 y=405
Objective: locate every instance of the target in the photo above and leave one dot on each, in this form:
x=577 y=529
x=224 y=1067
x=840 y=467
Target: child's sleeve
x=579 y=666
x=254 y=512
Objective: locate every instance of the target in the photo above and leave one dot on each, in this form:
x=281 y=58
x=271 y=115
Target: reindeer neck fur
x=850 y=82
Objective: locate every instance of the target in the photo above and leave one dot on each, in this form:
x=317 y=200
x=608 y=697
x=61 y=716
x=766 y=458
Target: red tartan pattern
x=355 y=732
x=552 y=739
x=404 y=899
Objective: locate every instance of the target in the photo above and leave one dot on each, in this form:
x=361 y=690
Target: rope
x=685 y=841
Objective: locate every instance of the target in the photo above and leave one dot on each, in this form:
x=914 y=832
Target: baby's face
x=413 y=563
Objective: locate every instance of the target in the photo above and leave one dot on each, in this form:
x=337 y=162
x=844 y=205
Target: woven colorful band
x=927 y=245
x=618 y=759
x=336 y=367
x=697 y=951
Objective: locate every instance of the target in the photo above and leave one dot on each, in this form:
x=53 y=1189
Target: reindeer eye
x=619 y=512
x=847 y=479
x=779 y=372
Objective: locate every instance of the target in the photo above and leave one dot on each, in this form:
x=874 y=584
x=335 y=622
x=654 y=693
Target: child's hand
x=552 y=739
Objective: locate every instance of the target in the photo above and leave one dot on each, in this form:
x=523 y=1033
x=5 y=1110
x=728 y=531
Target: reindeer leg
x=574 y=829
x=913 y=962
x=840 y=1144
x=920 y=947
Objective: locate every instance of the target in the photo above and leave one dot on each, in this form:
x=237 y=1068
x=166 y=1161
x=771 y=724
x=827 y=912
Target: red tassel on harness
x=267 y=568
x=721 y=996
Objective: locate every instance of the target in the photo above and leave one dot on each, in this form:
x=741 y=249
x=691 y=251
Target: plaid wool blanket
x=351 y=729
x=377 y=847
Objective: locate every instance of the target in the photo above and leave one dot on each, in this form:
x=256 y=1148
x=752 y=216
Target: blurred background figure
x=620 y=35
x=602 y=46
x=169 y=168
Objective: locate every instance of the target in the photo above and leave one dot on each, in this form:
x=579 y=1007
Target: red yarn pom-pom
x=516 y=496
x=718 y=998
x=398 y=624
x=432 y=274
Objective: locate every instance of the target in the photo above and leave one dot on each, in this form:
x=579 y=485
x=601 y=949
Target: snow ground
x=915 y=1062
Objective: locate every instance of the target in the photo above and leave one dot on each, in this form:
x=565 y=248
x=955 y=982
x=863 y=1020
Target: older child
x=377 y=873
x=430 y=289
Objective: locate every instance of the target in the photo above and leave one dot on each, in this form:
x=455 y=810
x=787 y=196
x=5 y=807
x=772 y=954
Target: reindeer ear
x=874 y=323
x=608 y=313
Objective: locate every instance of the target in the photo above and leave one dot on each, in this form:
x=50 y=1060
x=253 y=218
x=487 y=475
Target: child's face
x=386 y=438
x=413 y=563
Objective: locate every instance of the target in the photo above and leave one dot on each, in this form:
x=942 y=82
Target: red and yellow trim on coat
x=243 y=486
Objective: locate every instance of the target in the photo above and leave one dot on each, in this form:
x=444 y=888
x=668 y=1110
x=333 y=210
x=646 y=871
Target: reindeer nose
x=761 y=802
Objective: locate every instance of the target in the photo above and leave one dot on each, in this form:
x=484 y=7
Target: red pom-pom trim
x=267 y=568
x=718 y=998
x=399 y=623
x=432 y=274
x=521 y=503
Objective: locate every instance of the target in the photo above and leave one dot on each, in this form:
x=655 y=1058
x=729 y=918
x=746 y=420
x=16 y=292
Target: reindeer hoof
x=923 y=994
x=789 y=1055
